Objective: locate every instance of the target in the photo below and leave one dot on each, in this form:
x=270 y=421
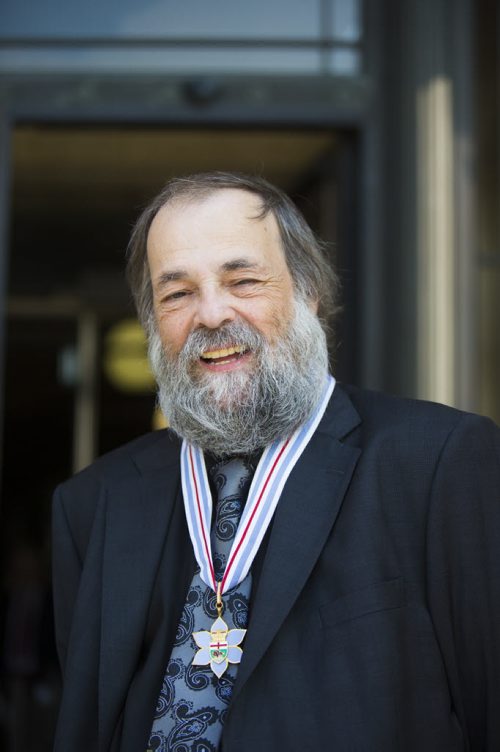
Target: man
x=350 y=598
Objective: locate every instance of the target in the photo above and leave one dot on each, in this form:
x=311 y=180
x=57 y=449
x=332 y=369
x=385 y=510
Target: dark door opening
x=76 y=193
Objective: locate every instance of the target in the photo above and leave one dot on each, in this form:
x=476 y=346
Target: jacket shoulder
x=77 y=499
x=419 y=421
x=372 y=403
x=152 y=450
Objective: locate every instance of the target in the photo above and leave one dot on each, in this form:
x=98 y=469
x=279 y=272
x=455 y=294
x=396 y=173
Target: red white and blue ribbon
x=276 y=464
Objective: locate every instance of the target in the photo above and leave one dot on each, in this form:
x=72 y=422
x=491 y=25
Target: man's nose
x=213 y=310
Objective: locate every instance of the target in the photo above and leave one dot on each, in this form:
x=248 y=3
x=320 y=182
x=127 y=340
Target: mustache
x=233 y=334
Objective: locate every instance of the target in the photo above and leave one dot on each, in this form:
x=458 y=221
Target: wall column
x=431 y=313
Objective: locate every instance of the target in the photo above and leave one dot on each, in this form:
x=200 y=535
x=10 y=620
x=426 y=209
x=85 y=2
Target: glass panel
x=260 y=19
x=346 y=20
x=345 y=62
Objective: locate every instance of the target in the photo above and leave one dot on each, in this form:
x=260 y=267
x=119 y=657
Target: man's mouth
x=224 y=356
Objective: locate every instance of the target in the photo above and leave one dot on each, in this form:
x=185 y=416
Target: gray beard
x=243 y=411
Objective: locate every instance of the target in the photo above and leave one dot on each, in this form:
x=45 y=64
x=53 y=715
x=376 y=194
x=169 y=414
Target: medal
x=221 y=645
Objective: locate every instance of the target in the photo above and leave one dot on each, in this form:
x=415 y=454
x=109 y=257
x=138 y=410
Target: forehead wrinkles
x=226 y=212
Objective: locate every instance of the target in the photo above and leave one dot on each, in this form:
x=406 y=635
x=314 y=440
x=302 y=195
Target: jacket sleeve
x=463 y=575
x=66 y=572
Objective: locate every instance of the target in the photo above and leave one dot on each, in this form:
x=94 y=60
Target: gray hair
x=311 y=273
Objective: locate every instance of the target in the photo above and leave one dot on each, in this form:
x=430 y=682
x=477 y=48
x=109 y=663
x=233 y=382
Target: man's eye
x=175 y=296
x=246 y=281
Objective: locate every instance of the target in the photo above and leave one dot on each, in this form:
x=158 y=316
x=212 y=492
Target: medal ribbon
x=276 y=464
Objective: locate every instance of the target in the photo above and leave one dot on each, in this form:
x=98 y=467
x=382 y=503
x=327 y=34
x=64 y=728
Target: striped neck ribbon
x=276 y=464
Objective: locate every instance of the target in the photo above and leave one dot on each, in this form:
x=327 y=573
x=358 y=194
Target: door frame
x=316 y=102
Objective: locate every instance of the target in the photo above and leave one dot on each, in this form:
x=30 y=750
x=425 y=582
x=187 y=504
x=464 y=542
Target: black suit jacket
x=375 y=614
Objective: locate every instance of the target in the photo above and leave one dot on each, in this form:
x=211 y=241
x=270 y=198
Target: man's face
x=213 y=263
x=239 y=358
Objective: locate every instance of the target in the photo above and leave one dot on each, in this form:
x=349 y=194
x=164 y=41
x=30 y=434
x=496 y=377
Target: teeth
x=212 y=354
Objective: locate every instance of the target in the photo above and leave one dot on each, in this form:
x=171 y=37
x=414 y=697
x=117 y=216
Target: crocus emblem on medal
x=219 y=647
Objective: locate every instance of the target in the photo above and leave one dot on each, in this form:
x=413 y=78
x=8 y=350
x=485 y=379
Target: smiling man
x=294 y=564
x=240 y=358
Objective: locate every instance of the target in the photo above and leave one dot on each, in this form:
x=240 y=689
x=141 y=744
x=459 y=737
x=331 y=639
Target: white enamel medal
x=219 y=647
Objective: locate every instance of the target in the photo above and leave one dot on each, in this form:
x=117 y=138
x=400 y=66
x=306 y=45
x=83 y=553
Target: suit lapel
x=139 y=510
x=305 y=515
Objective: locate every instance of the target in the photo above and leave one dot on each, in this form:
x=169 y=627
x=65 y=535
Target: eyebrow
x=240 y=263
x=166 y=277
x=229 y=266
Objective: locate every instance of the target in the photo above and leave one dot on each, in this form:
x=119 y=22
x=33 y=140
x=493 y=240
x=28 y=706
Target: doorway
x=76 y=192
